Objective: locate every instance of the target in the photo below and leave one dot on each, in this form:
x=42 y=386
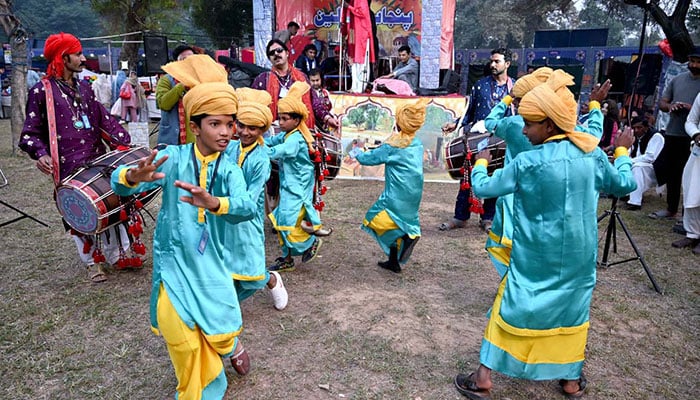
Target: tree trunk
x=18 y=44
x=674 y=27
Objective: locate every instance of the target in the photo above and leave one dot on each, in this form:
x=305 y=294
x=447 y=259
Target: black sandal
x=582 y=382
x=466 y=385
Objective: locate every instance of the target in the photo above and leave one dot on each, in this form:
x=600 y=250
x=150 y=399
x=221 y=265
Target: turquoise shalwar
x=395 y=213
x=499 y=241
x=539 y=322
x=189 y=272
x=297 y=178
x=246 y=249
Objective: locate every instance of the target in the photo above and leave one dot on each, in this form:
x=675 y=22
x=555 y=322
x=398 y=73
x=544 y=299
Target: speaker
x=649 y=74
x=615 y=71
x=155 y=49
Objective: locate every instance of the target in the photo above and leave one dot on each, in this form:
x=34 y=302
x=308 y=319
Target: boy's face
x=404 y=56
x=287 y=123
x=538 y=132
x=248 y=134
x=214 y=134
x=315 y=81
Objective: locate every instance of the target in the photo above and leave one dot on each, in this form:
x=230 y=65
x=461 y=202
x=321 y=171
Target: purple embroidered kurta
x=75 y=146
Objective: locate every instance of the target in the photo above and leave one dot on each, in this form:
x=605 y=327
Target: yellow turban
x=554 y=101
x=292 y=103
x=254 y=108
x=409 y=118
x=209 y=92
x=525 y=83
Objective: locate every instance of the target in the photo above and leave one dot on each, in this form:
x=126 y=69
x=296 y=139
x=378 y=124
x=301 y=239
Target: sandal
x=466 y=385
x=662 y=214
x=321 y=232
x=96 y=273
x=582 y=382
x=241 y=362
x=451 y=224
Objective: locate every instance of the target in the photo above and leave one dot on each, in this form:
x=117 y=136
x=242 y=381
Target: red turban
x=58 y=45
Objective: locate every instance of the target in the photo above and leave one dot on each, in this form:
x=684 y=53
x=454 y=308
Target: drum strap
x=51 y=119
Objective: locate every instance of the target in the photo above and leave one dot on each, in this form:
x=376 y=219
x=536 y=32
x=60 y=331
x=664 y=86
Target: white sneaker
x=279 y=293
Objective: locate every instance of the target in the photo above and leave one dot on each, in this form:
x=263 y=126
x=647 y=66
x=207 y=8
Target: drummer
x=83 y=127
x=485 y=94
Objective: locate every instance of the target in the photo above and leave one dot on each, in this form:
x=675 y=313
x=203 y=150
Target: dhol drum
x=456 y=152
x=85 y=199
x=334 y=149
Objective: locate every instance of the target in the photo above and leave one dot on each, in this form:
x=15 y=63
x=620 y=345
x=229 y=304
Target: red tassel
x=122 y=215
x=138 y=247
x=122 y=148
x=312 y=152
x=136 y=262
x=97 y=256
x=138 y=204
x=464 y=186
x=123 y=262
x=469 y=156
x=323 y=190
x=326 y=172
x=317 y=159
x=328 y=158
x=321 y=178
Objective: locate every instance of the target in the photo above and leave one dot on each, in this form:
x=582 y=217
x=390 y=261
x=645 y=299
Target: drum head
x=77 y=209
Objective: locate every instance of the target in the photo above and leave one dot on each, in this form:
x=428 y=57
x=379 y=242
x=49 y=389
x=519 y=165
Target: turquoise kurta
x=510 y=129
x=539 y=322
x=199 y=283
x=246 y=249
x=403 y=190
x=297 y=178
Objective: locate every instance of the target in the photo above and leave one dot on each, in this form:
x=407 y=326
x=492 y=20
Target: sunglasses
x=272 y=52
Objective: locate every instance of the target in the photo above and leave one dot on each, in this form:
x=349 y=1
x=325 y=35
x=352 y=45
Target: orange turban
x=526 y=83
x=409 y=119
x=56 y=46
x=209 y=92
x=554 y=101
x=293 y=103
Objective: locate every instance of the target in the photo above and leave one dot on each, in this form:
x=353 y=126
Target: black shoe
x=678 y=228
x=393 y=267
x=632 y=207
x=281 y=265
x=407 y=247
x=312 y=251
x=685 y=242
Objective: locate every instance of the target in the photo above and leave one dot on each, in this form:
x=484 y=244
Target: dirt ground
x=351 y=330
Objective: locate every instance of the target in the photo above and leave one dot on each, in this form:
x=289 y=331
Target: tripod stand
x=611 y=237
x=3 y=183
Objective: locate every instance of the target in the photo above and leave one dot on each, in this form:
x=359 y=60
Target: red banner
x=398 y=22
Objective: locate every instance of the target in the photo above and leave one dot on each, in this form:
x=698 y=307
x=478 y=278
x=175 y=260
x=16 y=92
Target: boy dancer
x=248 y=244
x=539 y=322
x=191 y=296
x=393 y=219
x=499 y=241
x=297 y=178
